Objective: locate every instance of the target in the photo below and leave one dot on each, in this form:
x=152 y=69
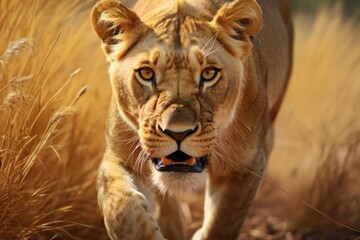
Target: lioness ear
x=237 y=23
x=117 y=26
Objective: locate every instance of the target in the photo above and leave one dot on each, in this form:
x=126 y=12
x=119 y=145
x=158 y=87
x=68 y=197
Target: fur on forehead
x=154 y=56
x=180 y=58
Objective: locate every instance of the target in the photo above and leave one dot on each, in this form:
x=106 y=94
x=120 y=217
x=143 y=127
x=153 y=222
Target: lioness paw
x=126 y=216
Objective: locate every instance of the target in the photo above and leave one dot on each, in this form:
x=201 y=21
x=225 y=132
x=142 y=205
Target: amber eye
x=146 y=73
x=209 y=74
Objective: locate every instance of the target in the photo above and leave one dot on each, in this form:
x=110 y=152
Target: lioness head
x=177 y=72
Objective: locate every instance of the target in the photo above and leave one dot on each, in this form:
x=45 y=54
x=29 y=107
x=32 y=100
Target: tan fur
x=232 y=117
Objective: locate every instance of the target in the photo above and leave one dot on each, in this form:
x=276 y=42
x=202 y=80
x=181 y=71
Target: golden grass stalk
x=15 y=48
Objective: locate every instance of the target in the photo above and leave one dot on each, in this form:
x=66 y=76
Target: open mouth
x=180 y=162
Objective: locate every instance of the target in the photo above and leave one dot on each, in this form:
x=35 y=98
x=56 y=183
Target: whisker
x=126 y=141
x=136 y=164
x=214 y=51
x=142 y=161
x=213 y=43
x=207 y=42
x=213 y=39
x=133 y=152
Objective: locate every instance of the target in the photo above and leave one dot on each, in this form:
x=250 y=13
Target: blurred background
x=310 y=6
x=54 y=94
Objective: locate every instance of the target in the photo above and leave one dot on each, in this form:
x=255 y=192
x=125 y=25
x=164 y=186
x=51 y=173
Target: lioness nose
x=179 y=136
x=178 y=122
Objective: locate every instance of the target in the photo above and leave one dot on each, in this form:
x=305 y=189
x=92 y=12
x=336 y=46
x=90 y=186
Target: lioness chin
x=196 y=86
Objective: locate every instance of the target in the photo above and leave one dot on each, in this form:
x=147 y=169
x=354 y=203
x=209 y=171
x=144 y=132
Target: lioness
x=196 y=87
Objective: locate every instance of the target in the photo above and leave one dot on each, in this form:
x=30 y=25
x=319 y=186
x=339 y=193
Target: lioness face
x=178 y=89
x=181 y=99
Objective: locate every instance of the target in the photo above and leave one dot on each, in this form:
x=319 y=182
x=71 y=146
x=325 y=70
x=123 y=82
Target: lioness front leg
x=125 y=209
x=227 y=201
x=170 y=217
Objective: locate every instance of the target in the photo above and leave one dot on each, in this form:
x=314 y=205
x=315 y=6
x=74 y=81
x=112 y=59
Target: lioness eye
x=146 y=73
x=209 y=74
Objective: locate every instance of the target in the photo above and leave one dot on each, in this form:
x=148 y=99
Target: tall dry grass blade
x=44 y=140
x=81 y=92
x=22 y=66
x=52 y=98
x=45 y=60
x=35 y=80
x=32 y=20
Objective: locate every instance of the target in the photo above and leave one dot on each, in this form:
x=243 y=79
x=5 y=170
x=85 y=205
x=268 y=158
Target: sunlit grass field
x=54 y=93
x=317 y=149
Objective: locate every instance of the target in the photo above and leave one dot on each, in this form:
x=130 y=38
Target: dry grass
x=51 y=135
x=51 y=132
x=318 y=136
